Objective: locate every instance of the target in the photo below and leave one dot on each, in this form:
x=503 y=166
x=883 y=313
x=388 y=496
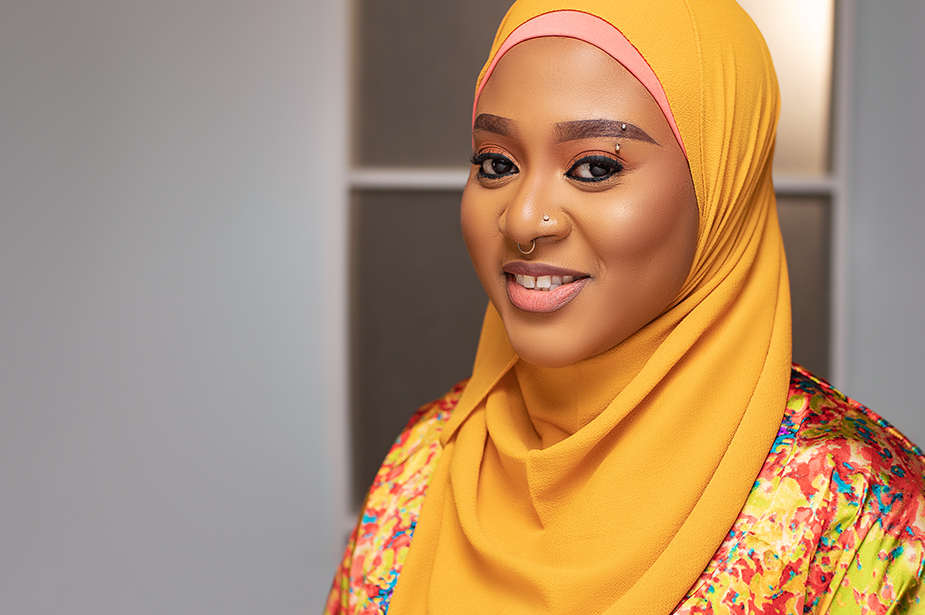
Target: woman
x=633 y=439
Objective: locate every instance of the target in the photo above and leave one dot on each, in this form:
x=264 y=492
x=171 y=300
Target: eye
x=594 y=168
x=493 y=165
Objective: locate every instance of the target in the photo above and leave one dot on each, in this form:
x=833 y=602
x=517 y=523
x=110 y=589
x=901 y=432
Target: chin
x=542 y=353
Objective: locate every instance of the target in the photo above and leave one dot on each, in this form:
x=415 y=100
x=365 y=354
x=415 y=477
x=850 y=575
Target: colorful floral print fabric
x=835 y=522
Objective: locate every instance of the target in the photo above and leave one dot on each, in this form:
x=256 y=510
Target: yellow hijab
x=661 y=437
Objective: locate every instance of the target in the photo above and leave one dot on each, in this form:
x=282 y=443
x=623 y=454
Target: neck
x=562 y=400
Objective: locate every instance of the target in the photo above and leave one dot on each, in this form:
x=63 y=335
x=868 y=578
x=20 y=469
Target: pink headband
x=597 y=32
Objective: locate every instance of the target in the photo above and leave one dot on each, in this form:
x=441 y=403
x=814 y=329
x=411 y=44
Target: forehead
x=555 y=79
x=552 y=66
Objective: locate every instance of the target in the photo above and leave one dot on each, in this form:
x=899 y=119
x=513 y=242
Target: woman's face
x=571 y=151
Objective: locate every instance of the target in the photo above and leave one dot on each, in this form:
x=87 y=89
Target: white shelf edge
x=804 y=185
x=408 y=178
x=429 y=178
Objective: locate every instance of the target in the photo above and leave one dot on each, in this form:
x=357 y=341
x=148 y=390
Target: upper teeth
x=543 y=282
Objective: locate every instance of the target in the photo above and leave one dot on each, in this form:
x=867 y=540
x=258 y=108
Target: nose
x=533 y=214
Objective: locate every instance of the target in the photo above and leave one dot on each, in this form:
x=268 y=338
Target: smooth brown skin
x=634 y=233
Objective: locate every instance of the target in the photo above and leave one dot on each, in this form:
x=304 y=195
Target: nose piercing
x=546 y=218
x=530 y=251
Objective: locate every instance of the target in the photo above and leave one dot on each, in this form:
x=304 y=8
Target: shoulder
x=379 y=544
x=836 y=517
x=423 y=428
x=825 y=431
x=864 y=482
x=398 y=489
x=814 y=403
x=838 y=458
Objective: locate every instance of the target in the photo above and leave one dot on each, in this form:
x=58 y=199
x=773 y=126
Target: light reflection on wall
x=799 y=35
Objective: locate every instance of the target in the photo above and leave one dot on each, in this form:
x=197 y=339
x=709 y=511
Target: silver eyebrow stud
x=623 y=127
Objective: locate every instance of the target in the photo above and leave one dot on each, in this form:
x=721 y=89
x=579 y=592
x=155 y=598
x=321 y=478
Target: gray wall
x=171 y=297
x=886 y=238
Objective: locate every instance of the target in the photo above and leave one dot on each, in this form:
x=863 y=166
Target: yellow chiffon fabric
x=607 y=486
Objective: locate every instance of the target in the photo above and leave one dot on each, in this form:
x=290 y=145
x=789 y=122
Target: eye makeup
x=594 y=168
x=493 y=165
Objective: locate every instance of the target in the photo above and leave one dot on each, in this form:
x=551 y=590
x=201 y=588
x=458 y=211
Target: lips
x=539 y=288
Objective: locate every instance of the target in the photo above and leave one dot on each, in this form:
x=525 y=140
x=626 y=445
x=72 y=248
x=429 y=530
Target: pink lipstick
x=540 y=288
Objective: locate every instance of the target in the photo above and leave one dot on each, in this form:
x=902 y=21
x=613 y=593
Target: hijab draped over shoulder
x=666 y=431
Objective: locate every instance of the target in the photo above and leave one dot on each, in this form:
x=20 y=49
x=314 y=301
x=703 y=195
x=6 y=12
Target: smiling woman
x=580 y=171
x=633 y=438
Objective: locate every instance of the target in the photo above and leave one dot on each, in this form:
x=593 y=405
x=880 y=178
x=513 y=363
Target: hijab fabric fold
x=607 y=486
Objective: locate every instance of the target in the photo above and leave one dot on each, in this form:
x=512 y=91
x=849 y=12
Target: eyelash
x=611 y=164
x=480 y=159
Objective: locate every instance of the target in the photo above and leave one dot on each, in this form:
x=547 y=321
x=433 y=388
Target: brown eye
x=498 y=166
x=493 y=165
x=597 y=169
x=594 y=168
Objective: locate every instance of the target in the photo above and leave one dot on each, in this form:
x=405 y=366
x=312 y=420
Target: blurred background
x=230 y=269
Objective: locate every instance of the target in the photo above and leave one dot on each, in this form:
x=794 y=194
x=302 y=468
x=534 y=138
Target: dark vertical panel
x=804 y=222
x=416 y=70
x=416 y=315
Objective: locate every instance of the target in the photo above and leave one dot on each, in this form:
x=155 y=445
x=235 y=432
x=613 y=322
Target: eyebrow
x=494 y=123
x=568 y=131
x=591 y=129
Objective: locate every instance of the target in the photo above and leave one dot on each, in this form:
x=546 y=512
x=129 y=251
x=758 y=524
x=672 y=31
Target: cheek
x=470 y=224
x=479 y=230
x=632 y=232
x=650 y=237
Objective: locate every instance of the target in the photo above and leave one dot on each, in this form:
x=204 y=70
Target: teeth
x=543 y=282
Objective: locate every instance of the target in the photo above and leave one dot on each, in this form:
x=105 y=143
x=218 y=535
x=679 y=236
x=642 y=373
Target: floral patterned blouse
x=835 y=522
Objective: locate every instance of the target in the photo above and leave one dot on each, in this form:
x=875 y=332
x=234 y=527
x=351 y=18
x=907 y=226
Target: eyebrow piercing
x=617 y=147
x=530 y=251
x=546 y=218
x=622 y=126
